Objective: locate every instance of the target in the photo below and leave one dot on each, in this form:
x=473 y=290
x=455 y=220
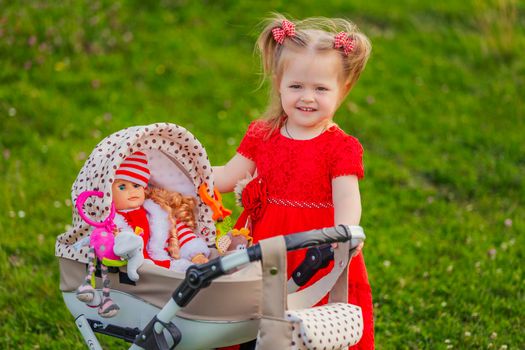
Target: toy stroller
x=232 y=297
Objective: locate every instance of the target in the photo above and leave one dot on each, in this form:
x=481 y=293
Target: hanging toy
x=103 y=246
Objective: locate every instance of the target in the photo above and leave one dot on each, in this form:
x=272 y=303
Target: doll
x=165 y=220
x=175 y=235
x=110 y=251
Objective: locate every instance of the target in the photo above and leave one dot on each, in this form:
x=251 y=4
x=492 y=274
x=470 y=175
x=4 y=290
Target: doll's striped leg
x=108 y=308
x=86 y=292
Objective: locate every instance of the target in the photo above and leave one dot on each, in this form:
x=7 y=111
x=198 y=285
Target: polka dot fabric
x=177 y=143
x=329 y=327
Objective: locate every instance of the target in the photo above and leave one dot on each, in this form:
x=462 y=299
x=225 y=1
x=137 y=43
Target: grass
x=439 y=110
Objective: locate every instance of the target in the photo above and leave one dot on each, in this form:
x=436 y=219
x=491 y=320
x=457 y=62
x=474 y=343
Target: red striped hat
x=135 y=169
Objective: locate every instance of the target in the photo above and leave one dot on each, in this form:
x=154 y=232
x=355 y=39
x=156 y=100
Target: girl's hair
x=178 y=206
x=317 y=34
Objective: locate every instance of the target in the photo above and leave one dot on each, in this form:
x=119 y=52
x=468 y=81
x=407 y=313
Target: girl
x=306 y=168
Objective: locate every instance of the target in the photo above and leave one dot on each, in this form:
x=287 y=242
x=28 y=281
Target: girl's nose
x=307 y=97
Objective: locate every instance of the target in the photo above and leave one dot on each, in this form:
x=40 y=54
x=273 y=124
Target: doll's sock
x=108 y=308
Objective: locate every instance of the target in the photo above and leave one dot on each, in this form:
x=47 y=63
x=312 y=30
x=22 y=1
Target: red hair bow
x=343 y=41
x=287 y=29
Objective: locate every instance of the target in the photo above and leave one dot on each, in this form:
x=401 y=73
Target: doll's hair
x=316 y=34
x=178 y=206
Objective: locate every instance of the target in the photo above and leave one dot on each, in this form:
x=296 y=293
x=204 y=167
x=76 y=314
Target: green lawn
x=438 y=110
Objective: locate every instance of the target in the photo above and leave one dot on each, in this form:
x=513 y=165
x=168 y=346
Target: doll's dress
x=293 y=192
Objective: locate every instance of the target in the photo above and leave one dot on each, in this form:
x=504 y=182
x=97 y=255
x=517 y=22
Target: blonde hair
x=179 y=208
x=316 y=33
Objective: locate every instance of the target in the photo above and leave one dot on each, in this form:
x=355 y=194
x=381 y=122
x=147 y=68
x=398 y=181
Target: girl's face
x=311 y=90
x=127 y=195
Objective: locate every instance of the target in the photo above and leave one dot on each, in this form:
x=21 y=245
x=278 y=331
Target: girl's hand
x=357 y=250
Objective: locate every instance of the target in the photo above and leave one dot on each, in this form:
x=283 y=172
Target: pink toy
x=102 y=238
x=101 y=243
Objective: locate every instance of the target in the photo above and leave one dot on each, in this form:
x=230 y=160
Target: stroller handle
x=200 y=276
x=340 y=233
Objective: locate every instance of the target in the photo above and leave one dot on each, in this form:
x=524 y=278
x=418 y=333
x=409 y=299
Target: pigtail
x=270 y=51
x=354 y=61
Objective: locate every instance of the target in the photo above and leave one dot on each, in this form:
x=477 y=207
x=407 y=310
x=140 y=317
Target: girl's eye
x=295 y=86
x=322 y=88
x=136 y=185
x=122 y=187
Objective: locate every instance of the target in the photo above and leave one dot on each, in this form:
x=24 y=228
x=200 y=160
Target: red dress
x=293 y=193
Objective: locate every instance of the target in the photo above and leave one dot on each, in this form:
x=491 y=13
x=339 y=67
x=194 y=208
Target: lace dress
x=293 y=193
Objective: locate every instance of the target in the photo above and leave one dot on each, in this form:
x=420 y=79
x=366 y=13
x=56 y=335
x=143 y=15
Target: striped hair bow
x=343 y=41
x=287 y=29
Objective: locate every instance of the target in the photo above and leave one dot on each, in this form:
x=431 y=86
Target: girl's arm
x=228 y=175
x=347 y=201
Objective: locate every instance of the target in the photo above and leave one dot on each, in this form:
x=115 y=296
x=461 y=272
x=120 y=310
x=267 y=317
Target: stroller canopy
x=177 y=162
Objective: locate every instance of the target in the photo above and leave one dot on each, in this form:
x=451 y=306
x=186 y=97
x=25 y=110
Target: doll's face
x=127 y=195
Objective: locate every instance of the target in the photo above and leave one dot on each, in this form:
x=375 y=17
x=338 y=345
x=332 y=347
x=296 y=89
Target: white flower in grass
x=493 y=335
x=386 y=263
x=11 y=111
x=416 y=329
x=503 y=347
x=447 y=341
x=67 y=202
x=80 y=156
x=96 y=133
x=57 y=204
x=508 y=222
x=467 y=334
x=68 y=227
x=21 y=214
x=450 y=346
x=444 y=304
x=12 y=214
x=450 y=268
x=231 y=141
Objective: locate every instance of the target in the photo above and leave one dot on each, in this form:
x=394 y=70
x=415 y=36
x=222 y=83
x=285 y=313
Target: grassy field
x=438 y=110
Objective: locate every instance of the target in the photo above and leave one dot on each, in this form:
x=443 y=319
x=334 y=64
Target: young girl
x=306 y=168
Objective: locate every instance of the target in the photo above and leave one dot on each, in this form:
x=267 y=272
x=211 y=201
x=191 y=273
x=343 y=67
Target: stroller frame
x=164 y=329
